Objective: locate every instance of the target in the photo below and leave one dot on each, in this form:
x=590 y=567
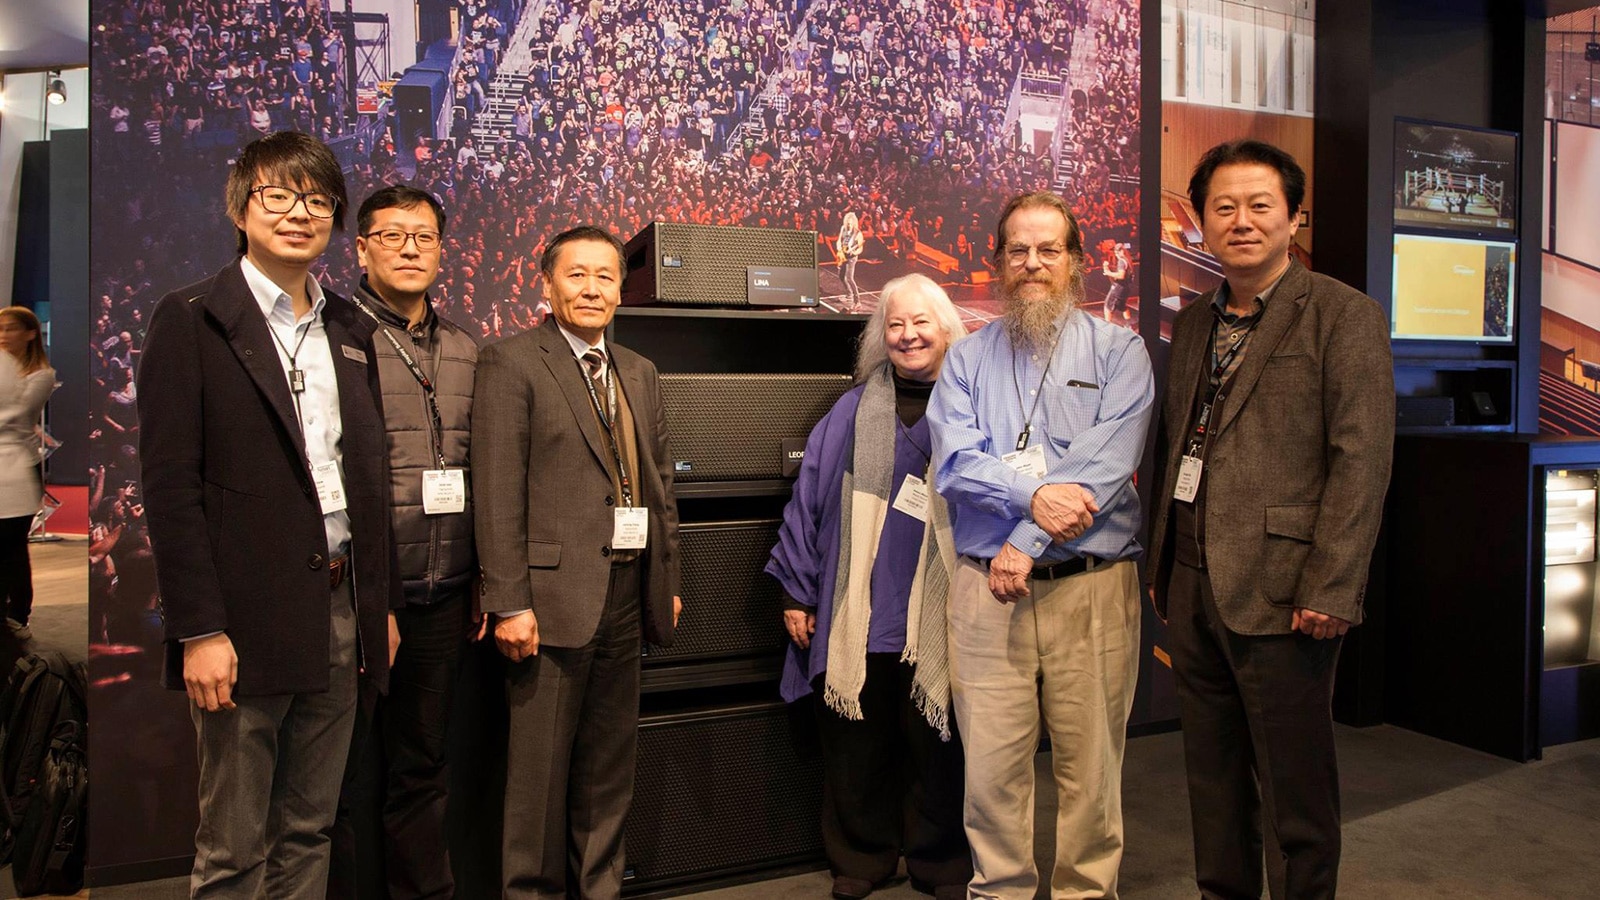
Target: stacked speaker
x=741 y=393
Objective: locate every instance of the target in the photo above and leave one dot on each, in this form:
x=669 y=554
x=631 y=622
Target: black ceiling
x=43 y=34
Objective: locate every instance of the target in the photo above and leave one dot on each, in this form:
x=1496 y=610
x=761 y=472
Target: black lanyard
x=609 y=423
x=418 y=374
x=1016 y=382
x=297 y=375
x=1214 y=383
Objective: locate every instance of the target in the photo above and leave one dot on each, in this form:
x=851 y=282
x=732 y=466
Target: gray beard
x=1031 y=323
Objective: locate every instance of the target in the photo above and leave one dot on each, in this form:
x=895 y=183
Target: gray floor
x=1423 y=819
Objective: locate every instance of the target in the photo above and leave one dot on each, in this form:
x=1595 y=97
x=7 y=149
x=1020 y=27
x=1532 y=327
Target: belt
x=338 y=568
x=1064 y=569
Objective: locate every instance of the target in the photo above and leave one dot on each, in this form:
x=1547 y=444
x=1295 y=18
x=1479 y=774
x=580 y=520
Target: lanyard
x=609 y=422
x=297 y=375
x=1016 y=382
x=418 y=374
x=1214 y=383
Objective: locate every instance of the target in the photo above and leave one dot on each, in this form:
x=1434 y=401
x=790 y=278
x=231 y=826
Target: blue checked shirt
x=1094 y=409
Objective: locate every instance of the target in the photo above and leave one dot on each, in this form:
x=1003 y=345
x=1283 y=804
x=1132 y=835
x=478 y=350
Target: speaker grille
x=718 y=793
x=713 y=260
x=731 y=607
x=732 y=427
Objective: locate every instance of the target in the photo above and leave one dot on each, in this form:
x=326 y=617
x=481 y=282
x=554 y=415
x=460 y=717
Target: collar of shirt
x=270 y=297
x=387 y=315
x=580 y=347
x=1219 y=303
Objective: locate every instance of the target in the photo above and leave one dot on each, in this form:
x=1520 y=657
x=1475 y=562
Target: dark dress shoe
x=940 y=892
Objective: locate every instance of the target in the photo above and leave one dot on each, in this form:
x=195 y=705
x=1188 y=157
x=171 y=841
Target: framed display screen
x=1453 y=289
x=1455 y=178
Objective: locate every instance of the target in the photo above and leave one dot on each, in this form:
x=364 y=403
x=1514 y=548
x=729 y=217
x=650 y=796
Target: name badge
x=330 y=487
x=631 y=528
x=353 y=354
x=1188 y=479
x=913 y=498
x=444 y=491
x=1028 y=462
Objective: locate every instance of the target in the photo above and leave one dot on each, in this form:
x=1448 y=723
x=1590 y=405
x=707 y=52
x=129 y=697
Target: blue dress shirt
x=1094 y=406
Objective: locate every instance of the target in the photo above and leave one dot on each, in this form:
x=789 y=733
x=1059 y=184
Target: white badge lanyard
x=913 y=498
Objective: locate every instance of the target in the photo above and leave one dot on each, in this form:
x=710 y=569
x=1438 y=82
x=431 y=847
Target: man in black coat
x=265 y=482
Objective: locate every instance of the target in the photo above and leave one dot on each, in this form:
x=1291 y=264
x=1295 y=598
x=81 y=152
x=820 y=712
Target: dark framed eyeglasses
x=276 y=199
x=394 y=239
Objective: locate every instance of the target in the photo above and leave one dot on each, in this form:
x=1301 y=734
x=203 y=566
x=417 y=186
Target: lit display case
x=1492 y=637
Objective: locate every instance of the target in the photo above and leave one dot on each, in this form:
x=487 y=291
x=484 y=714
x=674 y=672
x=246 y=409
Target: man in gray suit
x=577 y=536
x=1274 y=451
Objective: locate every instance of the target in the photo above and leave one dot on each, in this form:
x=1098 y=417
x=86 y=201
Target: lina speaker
x=734 y=605
x=720 y=793
x=720 y=265
x=742 y=427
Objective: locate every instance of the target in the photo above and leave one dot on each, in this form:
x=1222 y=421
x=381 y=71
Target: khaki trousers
x=1065 y=658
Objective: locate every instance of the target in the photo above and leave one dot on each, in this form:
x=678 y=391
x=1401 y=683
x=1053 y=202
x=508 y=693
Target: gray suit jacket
x=1299 y=458
x=542 y=490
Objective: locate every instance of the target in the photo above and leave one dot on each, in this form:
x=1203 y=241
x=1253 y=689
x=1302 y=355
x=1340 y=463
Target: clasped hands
x=1065 y=512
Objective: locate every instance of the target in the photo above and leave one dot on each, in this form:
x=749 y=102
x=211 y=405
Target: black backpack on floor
x=45 y=690
x=51 y=836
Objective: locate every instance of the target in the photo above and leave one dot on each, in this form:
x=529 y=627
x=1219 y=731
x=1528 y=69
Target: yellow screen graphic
x=1439 y=287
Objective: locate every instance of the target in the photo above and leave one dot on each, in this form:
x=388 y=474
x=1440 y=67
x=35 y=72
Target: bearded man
x=1038 y=423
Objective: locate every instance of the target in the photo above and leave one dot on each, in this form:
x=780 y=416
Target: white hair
x=872 y=354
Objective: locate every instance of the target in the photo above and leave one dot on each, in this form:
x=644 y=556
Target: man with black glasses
x=426 y=366
x=262 y=445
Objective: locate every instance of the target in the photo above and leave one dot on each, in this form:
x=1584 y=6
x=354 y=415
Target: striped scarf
x=864 y=504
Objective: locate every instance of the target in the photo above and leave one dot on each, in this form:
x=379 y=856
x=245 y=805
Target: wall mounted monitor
x=1453 y=289
x=1455 y=178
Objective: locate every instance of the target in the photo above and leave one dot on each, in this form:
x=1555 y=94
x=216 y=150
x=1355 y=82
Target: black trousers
x=574 y=737
x=1258 y=749
x=890 y=786
x=390 y=838
x=16 y=569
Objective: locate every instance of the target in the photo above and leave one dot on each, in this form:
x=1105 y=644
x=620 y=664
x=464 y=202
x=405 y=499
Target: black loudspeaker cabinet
x=707 y=265
x=720 y=793
x=731 y=607
x=734 y=427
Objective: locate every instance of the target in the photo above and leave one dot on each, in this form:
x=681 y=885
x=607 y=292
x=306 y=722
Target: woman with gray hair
x=864 y=558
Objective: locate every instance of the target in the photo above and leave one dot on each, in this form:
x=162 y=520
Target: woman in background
x=851 y=243
x=26 y=382
x=864 y=556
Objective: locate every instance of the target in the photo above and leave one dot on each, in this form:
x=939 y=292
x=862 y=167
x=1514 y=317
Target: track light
x=57 y=94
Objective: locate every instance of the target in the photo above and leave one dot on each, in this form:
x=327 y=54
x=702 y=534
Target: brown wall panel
x=1188 y=130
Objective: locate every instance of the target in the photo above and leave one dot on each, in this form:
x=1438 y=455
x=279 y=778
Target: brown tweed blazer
x=1299 y=459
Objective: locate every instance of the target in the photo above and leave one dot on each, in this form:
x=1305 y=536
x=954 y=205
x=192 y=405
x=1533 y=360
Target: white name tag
x=330 y=487
x=444 y=491
x=631 y=528
x=1188 y=479
x=1028 y=462
x=913 y=498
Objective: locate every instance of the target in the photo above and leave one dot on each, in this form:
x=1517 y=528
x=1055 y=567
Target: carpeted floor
x=1424 y=820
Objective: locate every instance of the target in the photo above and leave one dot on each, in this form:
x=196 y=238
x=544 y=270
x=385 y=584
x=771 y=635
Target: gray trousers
x=270 y=771
x=570 y=760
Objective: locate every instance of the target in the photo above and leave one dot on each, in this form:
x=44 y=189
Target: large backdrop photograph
x=911 y=121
